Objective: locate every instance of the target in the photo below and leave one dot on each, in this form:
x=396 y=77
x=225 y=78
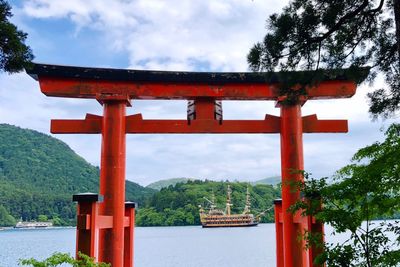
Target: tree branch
x=341 y=21
x=319 y=56
x=397 y=23
x=355 y=45
x=379 y=8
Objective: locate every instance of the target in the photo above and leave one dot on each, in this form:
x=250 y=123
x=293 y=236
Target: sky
x=180 y=35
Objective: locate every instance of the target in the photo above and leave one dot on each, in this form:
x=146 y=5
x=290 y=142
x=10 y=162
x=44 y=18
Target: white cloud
x=175 y=34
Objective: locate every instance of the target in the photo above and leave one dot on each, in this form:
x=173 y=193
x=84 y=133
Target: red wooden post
x=316 y=228
x=87 y=232
x=278 y=232
x=291 y=163
x=129 y=234
x=112 y=180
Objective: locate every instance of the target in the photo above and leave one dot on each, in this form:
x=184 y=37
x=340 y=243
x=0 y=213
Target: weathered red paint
x=87 y=234
x=112 y=181
x=278 y=232
x=316 y=228
x=136 y=125
x=291 y=163
x=78 y=88
x=302 y=222
x=90 y=225
x=311 y=124
x=129 y=235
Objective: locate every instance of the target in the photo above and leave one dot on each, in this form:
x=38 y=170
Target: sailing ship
x=219 y=218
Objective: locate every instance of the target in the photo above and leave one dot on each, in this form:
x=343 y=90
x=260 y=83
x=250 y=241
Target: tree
x=5 y=218
x=314 y=34
x=42 y=218
x=149 y=217
x=64 y=259
x=363 y=191
x=15 y=55
x=57 y=221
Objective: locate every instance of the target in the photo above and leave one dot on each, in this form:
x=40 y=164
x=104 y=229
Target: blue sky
x=208 y=35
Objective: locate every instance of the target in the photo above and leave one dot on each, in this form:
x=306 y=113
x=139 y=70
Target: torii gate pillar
x=112 y=180
x=291 y=163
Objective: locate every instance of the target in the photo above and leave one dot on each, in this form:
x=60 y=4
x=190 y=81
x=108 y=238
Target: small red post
x=316 y=228
x=87 y=232
x=129 y=234
x=278 y=232
x=292 y=163
x=205 y=108
x=112 y=180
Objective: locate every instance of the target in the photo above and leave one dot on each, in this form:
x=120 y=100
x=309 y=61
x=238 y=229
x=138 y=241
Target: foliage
x=363 y=191
x=310 y=34
x=42 y=218
x=178 y=204
x=14 y=53
x=5 y=218
x=39 y=174
x=57 y=221
x=58 y=259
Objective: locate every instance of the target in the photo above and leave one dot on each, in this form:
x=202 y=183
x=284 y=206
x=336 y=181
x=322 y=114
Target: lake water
x=189 y=246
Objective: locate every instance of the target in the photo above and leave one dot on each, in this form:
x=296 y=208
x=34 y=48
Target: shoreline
x=8 y=228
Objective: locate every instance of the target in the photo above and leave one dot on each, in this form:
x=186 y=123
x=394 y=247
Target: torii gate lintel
x=135 y=124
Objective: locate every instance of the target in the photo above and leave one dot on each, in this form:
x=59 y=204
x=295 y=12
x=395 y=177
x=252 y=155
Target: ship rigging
x=219 y=218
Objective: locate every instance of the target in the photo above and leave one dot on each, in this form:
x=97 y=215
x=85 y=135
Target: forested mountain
x=167 y=182
x=274 y=180
x=39 y=174
x=178 y=205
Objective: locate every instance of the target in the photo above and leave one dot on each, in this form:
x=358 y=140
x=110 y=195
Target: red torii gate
x=105 y=228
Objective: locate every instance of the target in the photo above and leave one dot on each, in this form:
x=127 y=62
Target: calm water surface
x=190 y=246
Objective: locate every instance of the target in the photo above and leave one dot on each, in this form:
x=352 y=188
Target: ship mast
x=212 y=203
x=247 y=206
x=228 y=201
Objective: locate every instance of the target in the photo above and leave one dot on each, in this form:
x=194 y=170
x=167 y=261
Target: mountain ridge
x=39 y=174
x=163 y=183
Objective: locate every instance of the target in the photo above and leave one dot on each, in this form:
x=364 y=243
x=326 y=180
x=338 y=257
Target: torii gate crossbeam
x=105 y=229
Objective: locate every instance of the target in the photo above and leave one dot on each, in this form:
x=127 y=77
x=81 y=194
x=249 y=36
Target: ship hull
x=33 y=225
x=228 y=225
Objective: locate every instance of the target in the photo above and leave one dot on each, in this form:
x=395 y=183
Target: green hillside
x=178 y=205
x=167 y=182
x=274 y=180
x=39 y=174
